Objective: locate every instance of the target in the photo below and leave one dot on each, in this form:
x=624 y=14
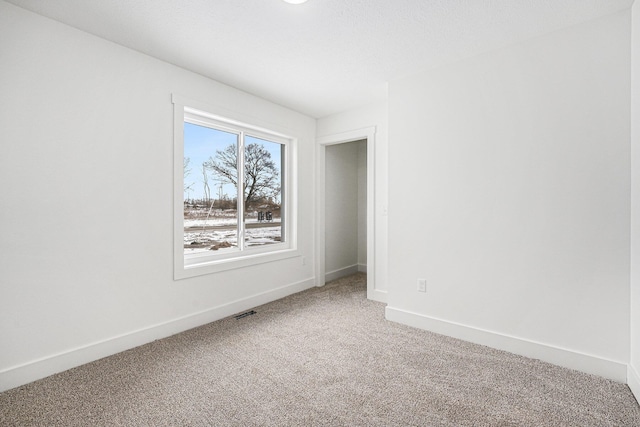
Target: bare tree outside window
x=187 y=172
x=261 y=174
x=205 y=184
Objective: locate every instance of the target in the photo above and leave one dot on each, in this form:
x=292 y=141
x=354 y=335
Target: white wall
x=86 y=215
x=341 y=210
x=374 y=115
x=634 y=366
x=509 y=192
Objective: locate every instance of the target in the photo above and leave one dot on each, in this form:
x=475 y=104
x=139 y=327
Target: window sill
x=208 y=265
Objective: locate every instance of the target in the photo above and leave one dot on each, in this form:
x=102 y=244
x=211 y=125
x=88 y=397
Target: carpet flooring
x=323 y=357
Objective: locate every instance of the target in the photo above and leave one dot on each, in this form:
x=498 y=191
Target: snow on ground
x=199 y=237
x=254 y=236
x=210 y=221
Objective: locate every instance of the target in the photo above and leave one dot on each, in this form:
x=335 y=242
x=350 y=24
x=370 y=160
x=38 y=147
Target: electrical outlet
x=422 y=285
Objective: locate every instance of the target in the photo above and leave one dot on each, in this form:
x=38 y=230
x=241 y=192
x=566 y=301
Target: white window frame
x=207 y=263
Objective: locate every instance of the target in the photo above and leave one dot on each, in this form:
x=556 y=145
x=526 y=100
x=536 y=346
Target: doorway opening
x=345 y=209
x=359 y=211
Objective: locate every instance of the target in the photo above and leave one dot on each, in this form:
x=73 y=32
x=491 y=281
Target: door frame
x=367 y=134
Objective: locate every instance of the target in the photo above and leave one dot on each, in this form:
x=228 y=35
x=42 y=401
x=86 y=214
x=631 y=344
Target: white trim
x=178 y=190
x=49 y=365
x=367 y=134
x=341 y=272
x=247 y=258
x=633 y=380
x=571 y=359
x=230 y=116
x=362 y=268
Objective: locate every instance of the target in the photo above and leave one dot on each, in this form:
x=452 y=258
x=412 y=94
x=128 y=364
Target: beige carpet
x=324 y=357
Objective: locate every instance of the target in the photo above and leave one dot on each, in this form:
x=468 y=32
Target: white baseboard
x=633 y=381
x=362 y=268
x=342 y=272
x=34 y=370
x=595 y=365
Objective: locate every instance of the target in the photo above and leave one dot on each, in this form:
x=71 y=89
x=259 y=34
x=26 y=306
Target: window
x=234 y=206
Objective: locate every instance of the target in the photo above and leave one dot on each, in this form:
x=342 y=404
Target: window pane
x=210 y=190
x=263 y=190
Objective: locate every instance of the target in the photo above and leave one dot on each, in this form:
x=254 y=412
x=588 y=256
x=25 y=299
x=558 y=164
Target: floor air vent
x=248 y=313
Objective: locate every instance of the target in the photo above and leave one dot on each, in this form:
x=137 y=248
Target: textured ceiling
x=324 y=56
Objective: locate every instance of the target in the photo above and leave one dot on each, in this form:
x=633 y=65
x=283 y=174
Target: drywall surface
x=341 y=208
x=509 y=193
x=374 y=115
x=634 y=365
x=87 y=215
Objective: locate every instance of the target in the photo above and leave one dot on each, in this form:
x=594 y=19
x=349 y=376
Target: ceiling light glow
x=295 y=1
